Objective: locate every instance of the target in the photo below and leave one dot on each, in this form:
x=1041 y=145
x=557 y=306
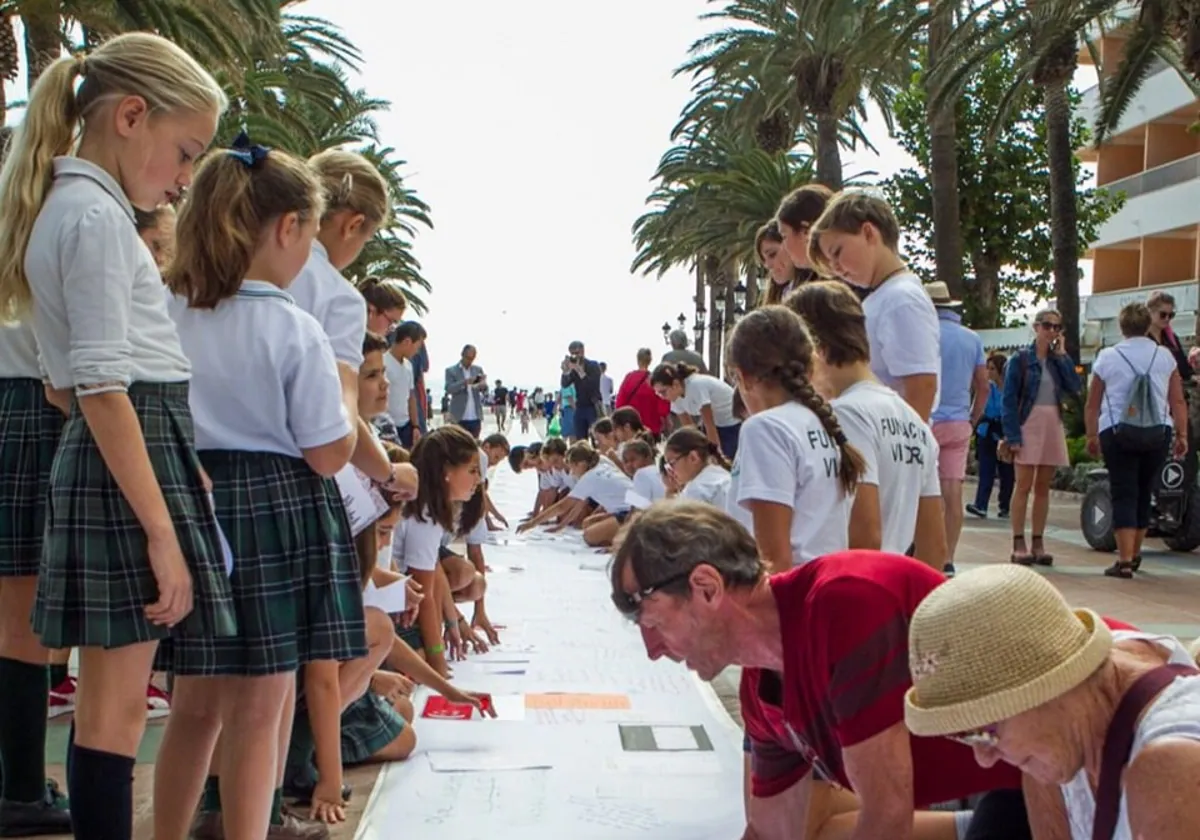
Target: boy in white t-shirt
x=857 y=239
x=406 y=339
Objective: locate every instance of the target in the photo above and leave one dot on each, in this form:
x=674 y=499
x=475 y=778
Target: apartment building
x=1152 y=242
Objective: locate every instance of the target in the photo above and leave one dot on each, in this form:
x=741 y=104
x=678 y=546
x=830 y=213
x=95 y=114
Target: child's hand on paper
x=327 y=804
x=480 y=700
x=481 y=622
x=456 y=648
x=472 y=638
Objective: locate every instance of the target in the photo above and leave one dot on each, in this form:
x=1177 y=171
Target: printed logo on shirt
x=906 y=440
x=819 y=439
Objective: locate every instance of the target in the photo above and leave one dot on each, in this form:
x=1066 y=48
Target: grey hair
x=679 y=340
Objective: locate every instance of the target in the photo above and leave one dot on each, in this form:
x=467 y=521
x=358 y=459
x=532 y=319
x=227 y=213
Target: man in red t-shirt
x=825 y=648
x=637 y=393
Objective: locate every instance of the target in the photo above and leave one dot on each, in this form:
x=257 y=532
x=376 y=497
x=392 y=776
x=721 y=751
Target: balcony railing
x=1160 y=177
x=1091 y=96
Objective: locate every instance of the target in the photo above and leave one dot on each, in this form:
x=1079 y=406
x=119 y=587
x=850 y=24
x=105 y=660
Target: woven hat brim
x=1001 y=705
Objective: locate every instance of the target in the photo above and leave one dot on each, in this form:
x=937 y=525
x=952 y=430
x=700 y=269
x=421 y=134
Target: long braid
x=794 y=377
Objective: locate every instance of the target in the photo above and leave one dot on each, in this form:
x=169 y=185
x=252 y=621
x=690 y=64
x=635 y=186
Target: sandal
x=1041 y=558
x=1020 y=556
x=1136 y=563
x=1120 y=570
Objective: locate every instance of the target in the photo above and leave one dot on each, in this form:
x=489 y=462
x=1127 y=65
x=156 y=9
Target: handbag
x=1118 y=744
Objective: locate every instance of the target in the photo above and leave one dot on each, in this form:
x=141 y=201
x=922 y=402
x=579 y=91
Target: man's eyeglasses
x=630 y=603
x=985 y=736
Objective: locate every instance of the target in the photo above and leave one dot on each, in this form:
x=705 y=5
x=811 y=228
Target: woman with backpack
x=1134 y=396
x=1036 y=380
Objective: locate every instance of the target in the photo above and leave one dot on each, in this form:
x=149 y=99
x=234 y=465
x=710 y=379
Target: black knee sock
x=58 y=675
x=69 y=758
x=23 y=730
x=101 y=795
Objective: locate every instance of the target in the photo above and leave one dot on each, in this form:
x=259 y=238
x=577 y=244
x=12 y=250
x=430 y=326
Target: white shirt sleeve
x=98 y=270
x=399 y=386
x=863 y=435
x=586 y=486
x=647 y=483
x=478 y=535
x=699 y=393
x=768 y=462
x=346 y=324
x=420 y=544
x=546 y=480
x=316 y=415
x=1100 y=367
x=909 y=335
x=931 y=483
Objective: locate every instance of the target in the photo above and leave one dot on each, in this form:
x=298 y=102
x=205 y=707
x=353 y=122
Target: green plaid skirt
x=95 y=579
x=296 y=584
x=30 y=429
x=369 y=724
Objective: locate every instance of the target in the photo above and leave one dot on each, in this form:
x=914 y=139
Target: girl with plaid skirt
x=131 y=552
x=30 y=428
x=272 y=431
x=447 y=460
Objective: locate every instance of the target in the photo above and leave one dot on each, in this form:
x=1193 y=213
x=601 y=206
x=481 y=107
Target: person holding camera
x=466 y=384
x=1036 y=380
x=584 y=374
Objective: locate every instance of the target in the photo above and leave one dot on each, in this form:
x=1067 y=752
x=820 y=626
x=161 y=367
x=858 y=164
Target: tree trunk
x=728 y=308
x=752 y=287
x=829 y=154
x=1064 y=231
x=698 y=300
x=982 y=310
x=943 y=169
x=10 y=61
x=43 y=36
x=715 y=325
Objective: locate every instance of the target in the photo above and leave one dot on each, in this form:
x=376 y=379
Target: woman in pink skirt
x=1036 y=380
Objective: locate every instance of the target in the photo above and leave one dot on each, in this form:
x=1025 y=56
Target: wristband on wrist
x=436 y=650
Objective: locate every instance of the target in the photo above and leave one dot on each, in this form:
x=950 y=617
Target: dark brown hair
x=374 y=343
x=689 y=439
x=669 y=373
x=582 y=453
x=383 y=294
x=436 y=453
x=229 y=207
x=627 y=417
x=835 y=320
x=772 y=345
x=603 y=426
x=554 y=446
x=802 y=207
x=640 y=447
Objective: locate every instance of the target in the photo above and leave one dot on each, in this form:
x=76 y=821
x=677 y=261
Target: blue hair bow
x=249 y=154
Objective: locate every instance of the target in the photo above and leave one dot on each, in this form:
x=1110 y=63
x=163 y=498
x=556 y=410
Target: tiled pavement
x=1164 y=597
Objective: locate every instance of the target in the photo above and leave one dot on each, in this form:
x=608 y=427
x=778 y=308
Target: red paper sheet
x=442 y=709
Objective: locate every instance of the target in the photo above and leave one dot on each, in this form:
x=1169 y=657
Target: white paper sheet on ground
x=363 y=502
x=392 y=598
x=636 y=500
x=672 y=738
x=665 y=763
x=509 y=706
x=479 y=761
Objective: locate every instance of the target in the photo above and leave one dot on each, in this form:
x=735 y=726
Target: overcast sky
x=532 y=128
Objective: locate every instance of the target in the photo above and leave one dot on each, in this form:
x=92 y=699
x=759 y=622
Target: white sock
x=962 y=822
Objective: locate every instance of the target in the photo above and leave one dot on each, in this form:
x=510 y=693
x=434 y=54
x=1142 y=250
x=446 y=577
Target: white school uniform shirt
x=785 y=457
x=321 y=290
x=546 y=480
x=415 y=543
x=1144 y=354
x=710 y=485
x=18 y=352
x=700 y=390
x=400 y=383
x=606 y=485
x=648 y=483
x=263 y=374
x=100 y=309
x=901 y=455
x=903 y=331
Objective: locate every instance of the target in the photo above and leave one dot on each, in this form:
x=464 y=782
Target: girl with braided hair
x=899 y=498
x=795 y=471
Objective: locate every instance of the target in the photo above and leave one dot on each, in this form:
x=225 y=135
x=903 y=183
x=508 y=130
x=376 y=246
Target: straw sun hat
x=993 y=643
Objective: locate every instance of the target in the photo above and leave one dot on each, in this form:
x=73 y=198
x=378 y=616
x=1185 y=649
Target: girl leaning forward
x=272 y=431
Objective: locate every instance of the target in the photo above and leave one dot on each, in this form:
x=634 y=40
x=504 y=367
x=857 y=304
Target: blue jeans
x=585 y=416
x=472 y=426
x=989 y=465
x=729 y=436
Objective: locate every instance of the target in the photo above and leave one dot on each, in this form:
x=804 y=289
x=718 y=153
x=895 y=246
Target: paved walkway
x=1164 y=597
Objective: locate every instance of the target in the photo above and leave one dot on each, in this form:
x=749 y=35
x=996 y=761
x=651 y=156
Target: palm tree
x=943 y=165
x=817 y=60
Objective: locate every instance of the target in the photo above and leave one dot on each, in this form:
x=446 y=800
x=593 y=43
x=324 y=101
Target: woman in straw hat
x=1103 y=720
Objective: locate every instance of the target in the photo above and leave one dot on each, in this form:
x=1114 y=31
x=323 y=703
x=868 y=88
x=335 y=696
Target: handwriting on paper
x=576 y=701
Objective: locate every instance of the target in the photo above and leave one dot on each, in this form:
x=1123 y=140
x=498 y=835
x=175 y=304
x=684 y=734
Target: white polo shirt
x=903 y=331
x=901 y=454
x=400 y=382
x=322 y=291
x=785 y=457
x=648 y=483
x=415 y=544
x=100 y=309
x=710 y=485
x=18 y=352
x=606 y=485
x=263 y=378
x=700 y=390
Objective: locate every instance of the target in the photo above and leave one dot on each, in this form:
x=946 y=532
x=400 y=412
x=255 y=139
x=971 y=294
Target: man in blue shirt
x=964 y=389
x=420 y=365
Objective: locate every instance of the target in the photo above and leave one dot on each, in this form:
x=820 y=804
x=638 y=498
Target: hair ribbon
x=250 y=154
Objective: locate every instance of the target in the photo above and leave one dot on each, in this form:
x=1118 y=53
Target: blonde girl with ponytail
x=131 y=554
x=796 y=472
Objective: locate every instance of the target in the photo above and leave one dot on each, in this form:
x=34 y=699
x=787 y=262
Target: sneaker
x=32 y=819
x=977 y=511
x=62 y=698
x=1003 y=514
x=158 y=702
x=297 y=828
x=948 y=570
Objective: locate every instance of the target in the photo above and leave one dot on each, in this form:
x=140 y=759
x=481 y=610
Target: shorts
x=954 y=442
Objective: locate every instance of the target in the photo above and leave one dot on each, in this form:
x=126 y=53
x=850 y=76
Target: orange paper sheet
x=576 y=701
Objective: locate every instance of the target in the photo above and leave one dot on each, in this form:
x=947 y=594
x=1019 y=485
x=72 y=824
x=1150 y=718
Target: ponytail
x=667 y=373
x=689 y=439
x=47 y=131
x=851 y=464
x=583 y=453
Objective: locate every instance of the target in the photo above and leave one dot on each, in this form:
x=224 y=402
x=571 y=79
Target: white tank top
x=1174 y=714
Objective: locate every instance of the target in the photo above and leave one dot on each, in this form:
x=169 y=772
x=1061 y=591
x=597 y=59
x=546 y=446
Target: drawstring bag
x=1140 y=427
